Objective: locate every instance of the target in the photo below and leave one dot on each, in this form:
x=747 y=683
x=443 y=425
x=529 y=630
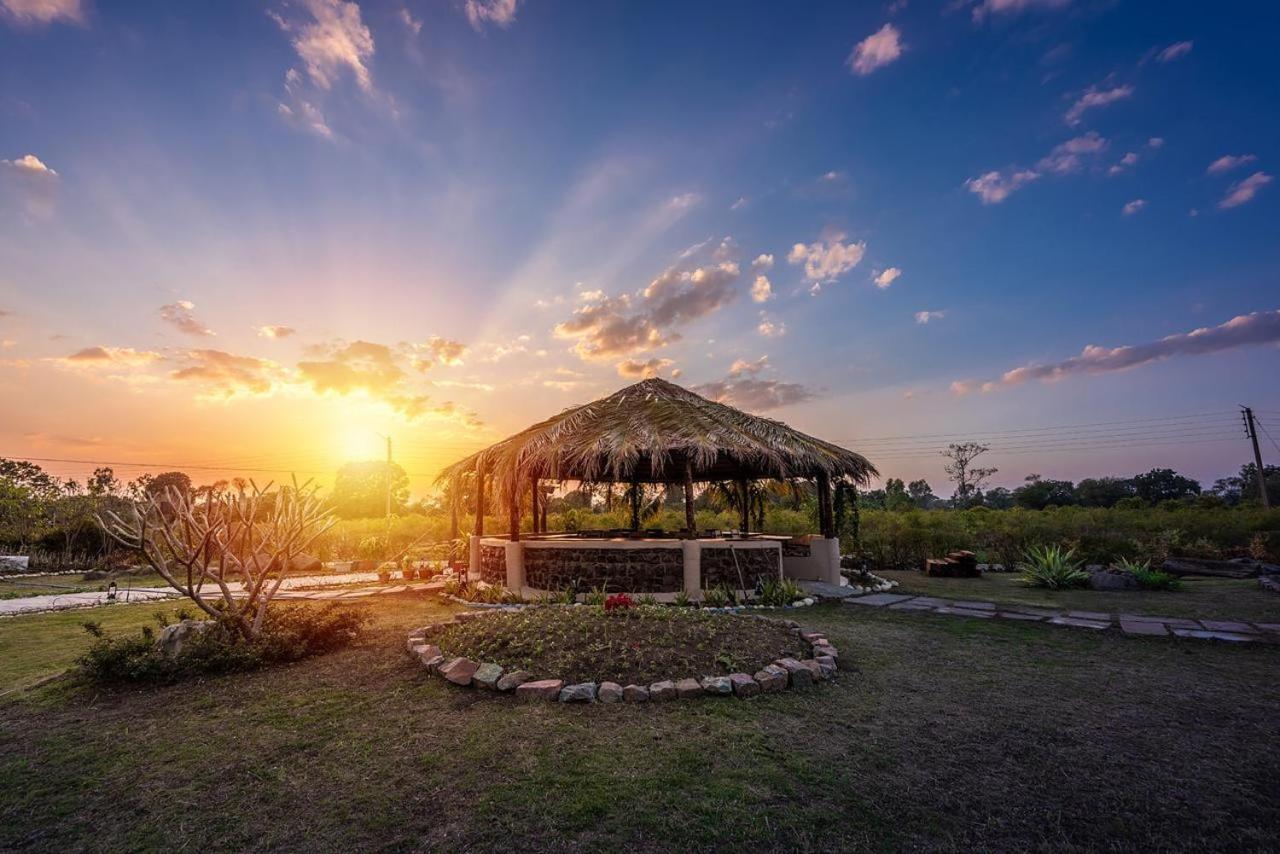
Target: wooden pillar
x=826 y=524
x=635 y=506
x=744 y=507
x=534 y=504
x=453 y=524
x=544 y=513
x=479 y=527
x=690 y=520
x=513 y=510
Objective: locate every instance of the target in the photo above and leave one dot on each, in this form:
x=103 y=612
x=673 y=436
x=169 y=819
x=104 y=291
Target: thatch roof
x=646 y=432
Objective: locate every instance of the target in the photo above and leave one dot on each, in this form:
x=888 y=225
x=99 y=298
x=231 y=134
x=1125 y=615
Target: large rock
x=799 y=673
x=487 y=676
x=688 y=688
x=540 y=689
x=827 y=665
x=720 y=685
x=772 y=678
x=1101 y=578
x=635 y=694
x=459 y=671
x=664 y=690
x=428 y=651
x=609 y=692
x=173 y=638
x=433 y=665
x=583 y=692
x=743 y=685
x=513 y=680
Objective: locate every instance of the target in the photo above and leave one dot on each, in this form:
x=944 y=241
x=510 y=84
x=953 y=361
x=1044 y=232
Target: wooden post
x=534 y=503
x=690 y=521
x=544 y=514
x=635 y=506
x=453 y=523
x=479 y=527
x=513 y=509
x=744 y=510
x=826 y=525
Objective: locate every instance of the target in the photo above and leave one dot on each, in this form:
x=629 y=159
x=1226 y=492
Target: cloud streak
x=1243 y=191
x=180 y=315
x=876 y=50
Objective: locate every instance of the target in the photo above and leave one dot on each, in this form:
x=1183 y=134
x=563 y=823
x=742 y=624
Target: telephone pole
x=1257 y=455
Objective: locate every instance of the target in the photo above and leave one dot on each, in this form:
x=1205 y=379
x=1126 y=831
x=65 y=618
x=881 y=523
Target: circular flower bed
x=589 y=653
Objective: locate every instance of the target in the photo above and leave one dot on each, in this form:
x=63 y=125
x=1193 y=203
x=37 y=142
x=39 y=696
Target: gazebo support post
x=513 y=512
x=474 y=563
x=635 y=506
x=453 y=527
x=826 y=525
x=690 y=520
x=545 y=501
x=534 y=504
x=744 y=508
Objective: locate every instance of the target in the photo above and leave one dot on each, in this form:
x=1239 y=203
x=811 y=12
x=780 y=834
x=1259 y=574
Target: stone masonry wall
x=493 y=564
x=614 y=570
x=756 y=565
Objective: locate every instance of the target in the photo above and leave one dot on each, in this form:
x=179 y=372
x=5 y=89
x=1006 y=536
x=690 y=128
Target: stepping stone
x=1079 y=623
x=664 y=690
x=1268 y=627
x=965 y=612
x=1089 y=615
x=823 y=590
x=913 y=605
x=743 y=685
x=686 y=688
x=1227 y=626
x=487 y=676
x=877 y=599
x=1208 y=635
x=635 y=694
x=1034 y=612
x=932 y=601
x=609 y=692
x=976 y=606
x=1015 y=615
x=540 y=689
x=1131 y=627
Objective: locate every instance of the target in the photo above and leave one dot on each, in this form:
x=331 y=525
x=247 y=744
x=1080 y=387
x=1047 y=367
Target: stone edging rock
x=780 y=675
x=727 y=609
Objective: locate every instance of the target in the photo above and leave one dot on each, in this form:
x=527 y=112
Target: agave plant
x=1052 y=567
x=1148 y=578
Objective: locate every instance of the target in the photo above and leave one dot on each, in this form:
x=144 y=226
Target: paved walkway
x=1235 y=631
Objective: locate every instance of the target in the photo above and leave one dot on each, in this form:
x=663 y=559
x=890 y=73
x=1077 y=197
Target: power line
x=1265 y=431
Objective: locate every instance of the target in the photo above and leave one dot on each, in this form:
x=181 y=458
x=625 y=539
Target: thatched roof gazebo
x=654 y=432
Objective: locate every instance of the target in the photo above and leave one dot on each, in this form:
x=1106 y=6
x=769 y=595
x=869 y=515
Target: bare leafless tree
x=254 y=534
x=968 y=478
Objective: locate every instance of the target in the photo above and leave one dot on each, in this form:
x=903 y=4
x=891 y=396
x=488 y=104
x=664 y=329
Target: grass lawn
x=1210 y=598
x=17 y=586
x=952 y=734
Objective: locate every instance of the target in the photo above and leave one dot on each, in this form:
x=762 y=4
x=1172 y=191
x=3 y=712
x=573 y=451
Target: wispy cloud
x=997 y=185
x=1067 y=157
x=274 y=332
x=438 y=351
x=1227 y=162
x=1246 y=330
x=644 y=369
x=755 y=395
x=1095 y=97
x=34 y=182
x=482 y=12
x=180 y=315
x=876 y=50
x=1177 y=50
x=827 y=259
x=1244 y=191
x=227 y=375
x=36 y=12
x=887 y=277
x=1132 y=207
x=770 y=328
x=986 y=8
x=330 y=39
x=923 y=317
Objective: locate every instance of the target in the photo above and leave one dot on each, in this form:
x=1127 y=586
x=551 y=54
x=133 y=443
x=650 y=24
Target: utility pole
x=1257 y=455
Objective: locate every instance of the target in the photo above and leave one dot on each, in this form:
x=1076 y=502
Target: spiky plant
x=1052 y=567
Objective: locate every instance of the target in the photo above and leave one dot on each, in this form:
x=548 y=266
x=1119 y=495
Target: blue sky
x=470 y=214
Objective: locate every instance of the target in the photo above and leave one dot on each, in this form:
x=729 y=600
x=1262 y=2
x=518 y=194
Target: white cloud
x=683 y=202
x=1066 y=156
x=438 y=351
x=753 y=394
x=1243 y=331
x=1130 y=159
x=887 y=277
x=1177 y=50
x=1094 y=97
x=1156 y=142
x=180 y=315
x=739 y=204
x=747 y=367
x=762 y=262
x=876 y=50
x=1005 y=7
x=770 y=328
x=411 y=23
x=761 y=289
x=333 y=40
x=996 y=186
x=827 y=259
x=44 y=11
x=638 y=369
x=1227 y=162
x=481 y=12
x=1244 y=191
x=29 y=164
x=923 y=317
x=274 y=331
x=1132 y=207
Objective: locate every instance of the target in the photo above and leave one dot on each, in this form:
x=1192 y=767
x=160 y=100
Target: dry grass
x=953 y=735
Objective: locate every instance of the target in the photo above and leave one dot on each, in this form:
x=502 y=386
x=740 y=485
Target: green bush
x=1052 y=567
x=290 y=632
x=779 y=592
x=719 y=597
x=1148 y=578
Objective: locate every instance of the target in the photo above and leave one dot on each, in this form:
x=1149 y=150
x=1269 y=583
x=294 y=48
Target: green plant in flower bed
x=1148 y=578
x=719 y=597
x=641 y=644
x=779 y=592
x=289 y=633
x=1052 y=567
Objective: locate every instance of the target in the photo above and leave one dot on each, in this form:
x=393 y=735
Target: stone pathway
x=1235 y=631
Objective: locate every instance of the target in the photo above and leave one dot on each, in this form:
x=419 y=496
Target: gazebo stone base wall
x=663 y=568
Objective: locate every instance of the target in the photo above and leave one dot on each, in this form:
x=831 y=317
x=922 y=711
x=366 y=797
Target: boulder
x=815 y=669
x=428 y=651
x=433 y=664
x=720 y=685
x=513 y=680
x=798 y=673
x=487 y=676
x=743 y=685
x=609 y=692
x=540 y=689
x=772 y=678
x=664 y=690
x=635 y=694
x=1101 y=578
x=173 y=638
x=688 y=688
x=827 y=665
x=459 y=671
x=583 y=692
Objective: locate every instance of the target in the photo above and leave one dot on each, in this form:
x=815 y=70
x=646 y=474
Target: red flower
x=618 y=601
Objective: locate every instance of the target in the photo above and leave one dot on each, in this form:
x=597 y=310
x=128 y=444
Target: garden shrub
x=290 y=633
x=1052 y=567
x=1148 y=578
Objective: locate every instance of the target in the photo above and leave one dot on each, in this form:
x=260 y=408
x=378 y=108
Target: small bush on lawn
x=289 y=633
x=1148 y=578
x=1052 y=567
x=779 y=592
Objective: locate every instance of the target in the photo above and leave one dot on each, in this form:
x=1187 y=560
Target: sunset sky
x=256 y=236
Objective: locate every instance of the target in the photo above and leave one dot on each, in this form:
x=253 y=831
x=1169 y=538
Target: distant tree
x=872 y=499
x=360 y=490
x=103 y=483
x=921 y=494
x=896 y=496
x=1038 y=493
x=998 y=498
x=1160 y=485
x=967 y=477
x=160 y=484
x=29 y=476
x=1243 y=488
x=1103 y=491
x=137 y=488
